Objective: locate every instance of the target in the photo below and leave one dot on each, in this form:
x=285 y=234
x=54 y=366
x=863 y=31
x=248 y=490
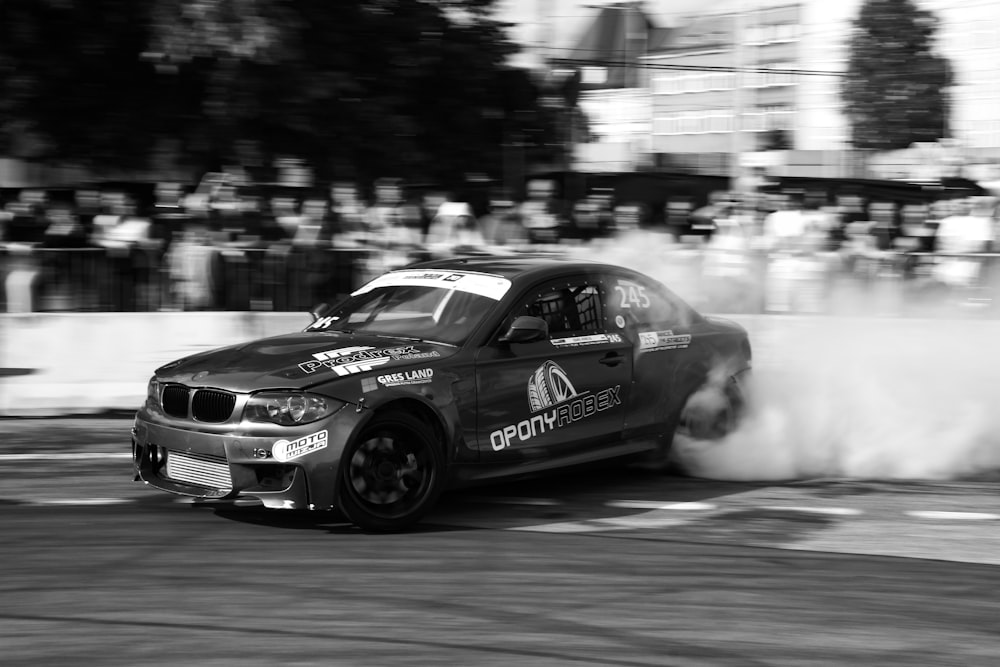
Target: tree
x=361 y=89
x=895 y=87
x=72 y=83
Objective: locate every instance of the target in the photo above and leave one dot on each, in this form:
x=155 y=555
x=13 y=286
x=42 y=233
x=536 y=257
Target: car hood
x=299 y=360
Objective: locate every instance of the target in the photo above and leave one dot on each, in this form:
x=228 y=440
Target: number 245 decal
x=632 y=295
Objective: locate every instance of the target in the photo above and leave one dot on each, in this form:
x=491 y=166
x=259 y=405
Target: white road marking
x=79 y=501
x=962 y=516
x=646 y=520
x=658 y=505
x=500 y=500
x=65 y=456
x=835 y=511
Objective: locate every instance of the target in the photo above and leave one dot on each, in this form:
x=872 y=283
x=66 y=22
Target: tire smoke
x=865 y=397
x=862 y=398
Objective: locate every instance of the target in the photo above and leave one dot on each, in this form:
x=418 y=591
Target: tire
x=693 y=422
x=391 y=474
x=712 y=412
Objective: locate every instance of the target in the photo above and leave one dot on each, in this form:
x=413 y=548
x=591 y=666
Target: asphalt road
x=609 y=567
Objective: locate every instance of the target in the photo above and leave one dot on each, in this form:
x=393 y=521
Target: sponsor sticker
x=556 y=403
x=359 y=358
x=415 y=355
x=655 y=341
x=286 y=450
x=419 y=376
x=483 y=284
x=592 y=339
x=322 y=323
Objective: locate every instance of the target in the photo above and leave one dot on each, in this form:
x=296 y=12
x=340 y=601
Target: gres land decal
x=419 y=376
x=552 y=394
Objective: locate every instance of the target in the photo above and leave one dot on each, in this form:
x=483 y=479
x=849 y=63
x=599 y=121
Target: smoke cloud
x=868 y=397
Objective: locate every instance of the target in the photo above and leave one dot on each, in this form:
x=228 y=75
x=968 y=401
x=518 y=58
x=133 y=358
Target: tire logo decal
x=556 y=403
x=548 y=386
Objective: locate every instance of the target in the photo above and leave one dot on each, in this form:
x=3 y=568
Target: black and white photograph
x=608 y=333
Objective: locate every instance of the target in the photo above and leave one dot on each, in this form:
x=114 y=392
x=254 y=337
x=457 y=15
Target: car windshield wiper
x=343 y=331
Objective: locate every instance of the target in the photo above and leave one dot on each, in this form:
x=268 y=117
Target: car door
x=563 y=395
x=662 y=330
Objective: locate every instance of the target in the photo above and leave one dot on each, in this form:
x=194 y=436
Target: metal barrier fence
x=284 y=278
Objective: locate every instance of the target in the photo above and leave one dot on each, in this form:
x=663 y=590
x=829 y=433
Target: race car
x=439 y=375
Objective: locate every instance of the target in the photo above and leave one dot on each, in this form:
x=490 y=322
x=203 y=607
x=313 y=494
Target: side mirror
x=526 y=329
x=316 y=310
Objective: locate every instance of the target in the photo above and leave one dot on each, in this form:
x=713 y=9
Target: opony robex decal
x=550 y=390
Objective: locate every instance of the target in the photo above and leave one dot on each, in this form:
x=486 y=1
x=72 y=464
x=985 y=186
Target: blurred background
x=266 y=155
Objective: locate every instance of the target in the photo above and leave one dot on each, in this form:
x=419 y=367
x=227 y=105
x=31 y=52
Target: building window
x=594 y=76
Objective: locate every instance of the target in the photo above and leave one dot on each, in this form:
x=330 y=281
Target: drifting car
x=439 y=375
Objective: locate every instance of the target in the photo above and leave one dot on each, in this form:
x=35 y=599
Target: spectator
x=314 y=228
x=28 y=218
x=967 y=231
x=504 y=224
x=193 y=266
x=225 y=212
x=785 y=228
x=886 y=225
x=586 y=221
x=88 y=205
x=168 y=214
x=704 y=221
x=285 y=212
x=677 y=214
x=6 y=215
x=454 y=229
x=628 y=218
x=794 y=274
x=541 y=213
x=348 y=211
x=64 y=229
x=390 y=223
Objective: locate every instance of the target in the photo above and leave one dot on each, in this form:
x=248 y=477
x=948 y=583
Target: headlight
x=289 y=408
x=153 y=392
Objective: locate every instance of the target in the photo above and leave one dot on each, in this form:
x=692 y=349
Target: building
x=757 y=74
x=615 y=87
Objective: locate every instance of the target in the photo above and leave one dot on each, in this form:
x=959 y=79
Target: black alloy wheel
x=392 y=474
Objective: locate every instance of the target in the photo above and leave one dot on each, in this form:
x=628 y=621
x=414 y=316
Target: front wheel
x=392 y=474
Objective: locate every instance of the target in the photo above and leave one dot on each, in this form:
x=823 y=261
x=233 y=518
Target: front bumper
x=207 y=465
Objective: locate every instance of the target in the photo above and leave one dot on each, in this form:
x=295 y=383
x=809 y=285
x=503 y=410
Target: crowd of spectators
x=227 y=246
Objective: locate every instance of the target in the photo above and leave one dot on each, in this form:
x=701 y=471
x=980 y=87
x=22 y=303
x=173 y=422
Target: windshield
x=441 y=307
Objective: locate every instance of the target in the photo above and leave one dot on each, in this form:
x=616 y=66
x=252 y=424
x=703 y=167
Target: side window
x=576 y=309
x=641 y=303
